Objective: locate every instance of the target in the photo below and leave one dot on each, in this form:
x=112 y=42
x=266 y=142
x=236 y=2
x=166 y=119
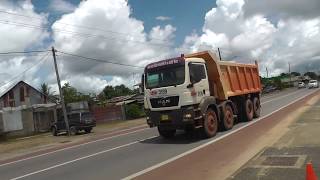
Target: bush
x=134 y=111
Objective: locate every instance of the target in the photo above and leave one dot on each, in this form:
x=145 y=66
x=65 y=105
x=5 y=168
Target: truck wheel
x=256 y=107
x=73 y=130
x=228 y=119
x=88 y=130
x=166 y=133
x=248 y=114
x=210 y=124
x=54 y=131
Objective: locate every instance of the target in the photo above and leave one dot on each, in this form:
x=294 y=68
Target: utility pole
x=219 y=54
x=289 y=74
x=267 y=72
x=60 y=91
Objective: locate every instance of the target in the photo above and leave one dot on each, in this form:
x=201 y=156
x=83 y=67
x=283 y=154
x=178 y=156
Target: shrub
x=134 y=111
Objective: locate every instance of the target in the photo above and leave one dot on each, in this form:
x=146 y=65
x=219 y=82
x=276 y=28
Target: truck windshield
x=169 y=76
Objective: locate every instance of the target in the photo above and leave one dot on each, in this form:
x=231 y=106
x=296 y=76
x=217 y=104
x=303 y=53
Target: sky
x=138 y=32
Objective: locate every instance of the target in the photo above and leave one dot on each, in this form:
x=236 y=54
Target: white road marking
x=125 y=145
x=44 y=154
x=280 y=97
x=78 y=159
x=210 y=142
x=90 y=142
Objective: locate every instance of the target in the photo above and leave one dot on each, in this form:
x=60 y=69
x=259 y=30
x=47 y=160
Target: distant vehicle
x=313 y=84
x=269 y=89
x=78 y=121
x=199 y=91
x=301 y=85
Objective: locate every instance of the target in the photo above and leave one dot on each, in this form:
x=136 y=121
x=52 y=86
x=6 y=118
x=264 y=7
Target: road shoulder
x=296 y=142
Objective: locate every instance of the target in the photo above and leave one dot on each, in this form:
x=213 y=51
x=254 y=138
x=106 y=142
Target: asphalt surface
x=121 y=156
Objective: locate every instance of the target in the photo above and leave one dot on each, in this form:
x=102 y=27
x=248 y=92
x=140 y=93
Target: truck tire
x=256 y=107
x=73 y=130
x=166 y=133
x=54 y=131
x=210 y=123
x=228 y=119
x=88 y=130
x=248 y=110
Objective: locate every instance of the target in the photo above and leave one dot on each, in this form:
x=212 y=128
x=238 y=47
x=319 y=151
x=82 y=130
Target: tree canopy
x=312 y=75
x=72 y=95
x=109 y=92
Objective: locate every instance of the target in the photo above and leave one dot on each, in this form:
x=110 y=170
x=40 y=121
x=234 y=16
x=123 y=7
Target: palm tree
x=45 y=89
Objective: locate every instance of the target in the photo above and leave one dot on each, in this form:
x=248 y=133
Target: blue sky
x=187 y=17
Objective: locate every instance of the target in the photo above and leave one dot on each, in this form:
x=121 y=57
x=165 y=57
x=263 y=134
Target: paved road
x=121 y=156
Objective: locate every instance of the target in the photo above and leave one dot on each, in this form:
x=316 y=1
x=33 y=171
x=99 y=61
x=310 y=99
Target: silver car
x=313 y=84
x=301 y=85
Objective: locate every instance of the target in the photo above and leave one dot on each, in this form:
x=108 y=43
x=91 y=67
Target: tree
x=295 y=74
x=109 y=92
x=71 y=94
x=283 y=74
x=312 y=75
x=45 y=89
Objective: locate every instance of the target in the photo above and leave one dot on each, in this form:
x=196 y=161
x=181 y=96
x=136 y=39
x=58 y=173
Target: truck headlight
x=188 y=115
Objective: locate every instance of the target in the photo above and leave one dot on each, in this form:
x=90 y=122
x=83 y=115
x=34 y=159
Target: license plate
x=164 y=117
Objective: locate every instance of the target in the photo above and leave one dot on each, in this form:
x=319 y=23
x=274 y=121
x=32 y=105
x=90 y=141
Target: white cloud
x=163 y=18
x=116 y=36
x=16 y=36
x=245 y=38
x=62 y=6
x=13 y=36
x=283 y=8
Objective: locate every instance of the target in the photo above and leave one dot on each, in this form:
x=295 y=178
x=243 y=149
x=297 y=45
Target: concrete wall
x=31 y=121
x=12 y=120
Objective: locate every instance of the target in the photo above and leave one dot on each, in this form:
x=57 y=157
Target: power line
x=22 y=52
x=74 y=33
x=99 y=60
x=42 y=59
x=79 y=26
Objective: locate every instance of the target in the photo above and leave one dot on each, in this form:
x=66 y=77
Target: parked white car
x=301 y=85
x=313 y=84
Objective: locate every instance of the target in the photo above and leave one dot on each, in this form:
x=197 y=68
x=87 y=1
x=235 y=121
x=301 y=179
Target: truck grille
x=164 y=102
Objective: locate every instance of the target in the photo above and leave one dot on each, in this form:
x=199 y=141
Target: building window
x=6 y=102
x=28 y=92
x=22 y=94
x=11 y=95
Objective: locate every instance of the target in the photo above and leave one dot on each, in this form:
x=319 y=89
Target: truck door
x=199 y=80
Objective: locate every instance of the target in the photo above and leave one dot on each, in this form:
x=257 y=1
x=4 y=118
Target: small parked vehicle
x=313 y=84
x=301 y=85
x=78 y=121
x=269 y=89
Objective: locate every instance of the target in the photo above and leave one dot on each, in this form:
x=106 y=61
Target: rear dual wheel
x=256 y=107
x=228 y=119
x=248 y=110
x=210 y=123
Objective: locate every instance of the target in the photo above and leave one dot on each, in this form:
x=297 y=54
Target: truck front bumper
x=175 y=119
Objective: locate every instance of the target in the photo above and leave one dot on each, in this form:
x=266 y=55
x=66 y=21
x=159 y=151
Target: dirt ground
x=16 y=147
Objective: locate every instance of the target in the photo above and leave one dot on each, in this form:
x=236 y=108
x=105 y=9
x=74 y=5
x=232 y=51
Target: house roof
x=14 y=85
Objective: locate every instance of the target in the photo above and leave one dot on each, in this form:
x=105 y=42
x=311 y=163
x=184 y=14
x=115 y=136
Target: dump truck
x=199 y=91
